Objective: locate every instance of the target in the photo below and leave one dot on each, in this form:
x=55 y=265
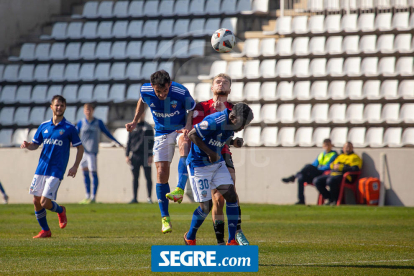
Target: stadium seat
x=180 y=48
x=197 y=48
x=283 y=25
x=269 y=137
x=11 y=73
x=74 y=30
x=165 y=28
x=371 y=90
x=228 y=7
x=339 y=136
x=336 y=90
x=136 y=9
x=320 y=134
x=336 y=113
x=285 y=113
x=268 y=113
x=333 y=23
x=300 y=24
x=85 y=93
x=286 y=137
x=102 y=71
x=23 y=94
x=72 y=72
x=404 y=66
x=215 y=69
x=133 y=71
x=356 y=136
x=87 y=72
x=121 y=134
x=303 y=137
x=196 y=27
x=385 y=43
x=6 y=116
x=151 y=8
x=408 y=137
x=251 y=48
x=6 y=137
x=352 y=66
x=334 y=45
x=135 y=27
x=149 y=49
x=190 y=87
x=133 y=92
x=56 y=72
x=317 y=45
x=237 y=94
x=252 y=91
x=41 y=72
x=59 y=30
x=316 y=23
x=73 y=51
x=319 y=90
x=285 y=91
x=402 y=43
x=90 y=10
x=181 y=27
x=367 y=44
x=37 y=115
x=389 y=89
x=353 y=89
x=383 y=21
x=303 y=113
x=164 y=49
x=301 y=90
x=300 y=67
x=121 y=9
x=386 y=66
x=101 y=93
x=268 y=47
x=267 y=68
x=54 y=90
x=300 y=46
x=167 y=66
x=1 y=71
x=181 y=7
x=120 y=29
x=203 y=92
x=118 y=50
x=349 y=22
x=366 y=22
x=355 y=114
x=317 y=67
x=49 y=114
x=89 y=30
x=70 y=93
x=315 y=6
x=350 y=44
x=252 y=137
x=87 y=50
x=39 y=94
x=235 y=69
x=101 y=112
x=27 y=52
x=26 y=72
x=400 y=21
x=118 y=71
x=369 y=66
x=21 y=116
x=70 y=114
x=42 y=51
x=103 y=50
x=319 y=113
x=268 y=91
x=251 y=69
x=197 y=7
x=374 y=137
x=391 y=113
x=31 y=134
x=372 y=113
x=283 y=46
x=407 y=113
x=19 y=136
x=8 y=95
x=57 y=51
x=392 y=137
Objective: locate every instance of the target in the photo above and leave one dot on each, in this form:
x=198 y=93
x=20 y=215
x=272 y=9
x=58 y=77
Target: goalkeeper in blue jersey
x=171 y=107
x=89 y=129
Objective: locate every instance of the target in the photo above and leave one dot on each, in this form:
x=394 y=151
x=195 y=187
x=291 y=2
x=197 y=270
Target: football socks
x=87 y=181
x=41 y=218
x=198 y=218
x=239 y=220
x=162 y=190
x=56 y=208
x=232 y=210
x=219 y=230
x=182 y=172
x=95 y=184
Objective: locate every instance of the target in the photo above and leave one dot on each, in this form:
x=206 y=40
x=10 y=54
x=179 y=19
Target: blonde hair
x=222 y=75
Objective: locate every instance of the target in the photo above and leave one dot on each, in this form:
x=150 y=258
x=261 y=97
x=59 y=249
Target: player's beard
x=221 y=93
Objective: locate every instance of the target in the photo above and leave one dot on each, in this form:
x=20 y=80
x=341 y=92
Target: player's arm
x=107 y=133
x=29 y=145
x=36 y=141
x=193 y=136
x=138 y=113
x=236 y=142
x=72 y=171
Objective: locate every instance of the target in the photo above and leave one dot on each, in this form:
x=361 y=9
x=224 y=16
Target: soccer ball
x=223 y=40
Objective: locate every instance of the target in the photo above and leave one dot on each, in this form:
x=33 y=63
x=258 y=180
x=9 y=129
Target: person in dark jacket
x=140 y=144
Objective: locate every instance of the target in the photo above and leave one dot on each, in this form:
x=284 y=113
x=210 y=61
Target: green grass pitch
x=116 y=239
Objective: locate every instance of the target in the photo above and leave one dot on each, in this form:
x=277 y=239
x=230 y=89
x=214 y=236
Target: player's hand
x=128 y=160
x=185 y=132
x=238 y=142
x=219 y=105
x=24 y=145
x=150 y=158
x=72 y=171
x=130 y=126
x=214 y=158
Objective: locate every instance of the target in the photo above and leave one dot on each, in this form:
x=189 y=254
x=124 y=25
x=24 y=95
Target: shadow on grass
x=342 y=265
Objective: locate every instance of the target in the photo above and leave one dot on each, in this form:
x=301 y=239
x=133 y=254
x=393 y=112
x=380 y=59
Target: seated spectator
x=348 y=161
x=310 y=171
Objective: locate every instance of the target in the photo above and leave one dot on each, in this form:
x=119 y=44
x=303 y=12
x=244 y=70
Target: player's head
x=221 y=85
x=327 y=145
x=161 y=83
x=348 y=148
x=88 y=110
x=240 y=116
x=58 y=105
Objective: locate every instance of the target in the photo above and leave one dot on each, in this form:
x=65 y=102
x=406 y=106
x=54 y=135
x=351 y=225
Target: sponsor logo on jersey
x=61 y=131
x=216 y=143
x=50 y=141
x=174 y=104
x=165 y=115
x=204 y=193
x=204 y=125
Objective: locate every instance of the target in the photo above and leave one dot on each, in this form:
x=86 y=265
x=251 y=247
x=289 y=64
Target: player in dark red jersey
x=221 y=90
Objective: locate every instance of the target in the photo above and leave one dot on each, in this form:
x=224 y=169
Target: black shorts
x=229 y=160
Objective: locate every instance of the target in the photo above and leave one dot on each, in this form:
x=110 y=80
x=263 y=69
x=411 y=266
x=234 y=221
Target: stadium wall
x=259 y=171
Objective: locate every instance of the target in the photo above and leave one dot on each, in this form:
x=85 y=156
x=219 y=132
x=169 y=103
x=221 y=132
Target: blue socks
x=87 y=181
x=162 y=190
x=41 y=218
x=182 y=172
x=1 y=189
x=232 y=210
x=95 y=184
x=198 y=218
x=56 y=208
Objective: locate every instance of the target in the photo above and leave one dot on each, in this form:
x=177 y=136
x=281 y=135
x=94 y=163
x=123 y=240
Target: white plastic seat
x=316 y=23
x=369 y=66
x=391 y=113
x=320 y=134
x=37 y=115
x=133 y=49
x=101 y=112
x=85 y=93
x=356 y=136
x=256 y=111
x=300 y=68
x=300 y=24
x=285 y=113
x=251 y=69
x=355 y=114
x=213 y=7
x=353 y=89
x=334 y=45
x=317 y=45
x=252 y=91
x=407 y=113
x=406 y=89
x=136 y=8
x=149 y=49
x=268 y=113
x=228 y=6
x=237 y=94
x=27 y=52
x=101 y=92
x=120 y=29
x=212 y=24
x=196 y=27
x=197 y=7
x=8 y=95
x=404 y=66
x=133 y=92
x=167 y=66
x=268 y=47
x=59 y=30
x=383 y=21
x=121 y=9
x=41 y=72
x=284 y=90
x=366 y=22
x=70 y=114
x=215 y=69
x=400 y=21
x=374 y=137
x=350 y=44
x=334 y=67
x=402 y=43
x=301 y=90
x=72 y=72
x=392 y=137
x=336 y=90
x=23 y=94
x=319 y=113
x=180 y=49
x=182 y=7
x=372 y=113
x=385 y=43
x=133 y=71
x=151 y=8
x=117 y=93
x=352 y=66
x=235 y=69
x=56 y=72
x=103 y=50
x=333 y=23
x=300 y=46
x=268 y=91
x=102 y=71
x=371 y=90
x=147 y=69
x=11 y=73
x=337 y=113
x=230 y=23
x=42 y=51
x=367 y=44
x=87 y=72
x=6 y=116
x=202 y=92
x=166 y=7
x=87 y=50
x=165 y=28
x=26 y=72
x=90 y=10
x=54 y=90
x=389 y=89
x=118 y=50
x=319 y=90
x=349 y=22
x=303 y=137
x=70 y=93
x=164 y=49
x=1 y=71
x=197 y=48
x=39 y=94
x=286 y=137
x=181 y=27
x=283 y=25
x=74 y=30
x=19 y=136
x=90 y=30
x=268 y=68
x=317 y=67
x=135 y=27
x=57 y=51
x=117 y=71
x=315 y=6
x=303 y=113
x=72 y=51
x=6 y=137
x=386 y=66
x=21 y=116
x=408 y=137
x=269 y=137
x=251 y=47
x=339 y=136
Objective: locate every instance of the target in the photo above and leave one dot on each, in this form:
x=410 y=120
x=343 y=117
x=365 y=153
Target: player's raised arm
x=138 y=113
x=193 y=136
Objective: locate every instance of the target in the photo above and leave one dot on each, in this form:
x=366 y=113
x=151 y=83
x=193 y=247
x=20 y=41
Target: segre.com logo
x=204 y=258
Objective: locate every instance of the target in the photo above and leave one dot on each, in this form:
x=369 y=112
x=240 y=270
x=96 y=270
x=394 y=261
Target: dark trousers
x=306 y=174
x=137 y=161
x=333 y=182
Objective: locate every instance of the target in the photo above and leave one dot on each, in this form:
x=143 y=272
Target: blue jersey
x=56 y=144
x=170 y=114
x=214 y=131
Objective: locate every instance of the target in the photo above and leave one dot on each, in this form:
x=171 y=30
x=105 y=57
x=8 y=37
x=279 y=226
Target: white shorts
x=89 y=161
x=44 y=185
x=205 y=179
x=164 y=146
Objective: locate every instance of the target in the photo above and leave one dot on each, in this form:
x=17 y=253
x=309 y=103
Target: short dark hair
x=59 y=98
x=244 y=112
x=160 y=78
x=91 y=105
x=327 y=141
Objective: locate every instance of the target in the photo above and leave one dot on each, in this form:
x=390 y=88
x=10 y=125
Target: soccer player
x=207 y=167
x=90 y=129
x=56 y=136
x=169 y=102
x=221 y=88
x=5 y=196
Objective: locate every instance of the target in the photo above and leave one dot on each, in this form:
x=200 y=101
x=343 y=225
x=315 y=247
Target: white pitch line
x=350 y=262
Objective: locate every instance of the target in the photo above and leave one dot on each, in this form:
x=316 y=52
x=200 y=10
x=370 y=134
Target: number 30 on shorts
x=203 y=184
